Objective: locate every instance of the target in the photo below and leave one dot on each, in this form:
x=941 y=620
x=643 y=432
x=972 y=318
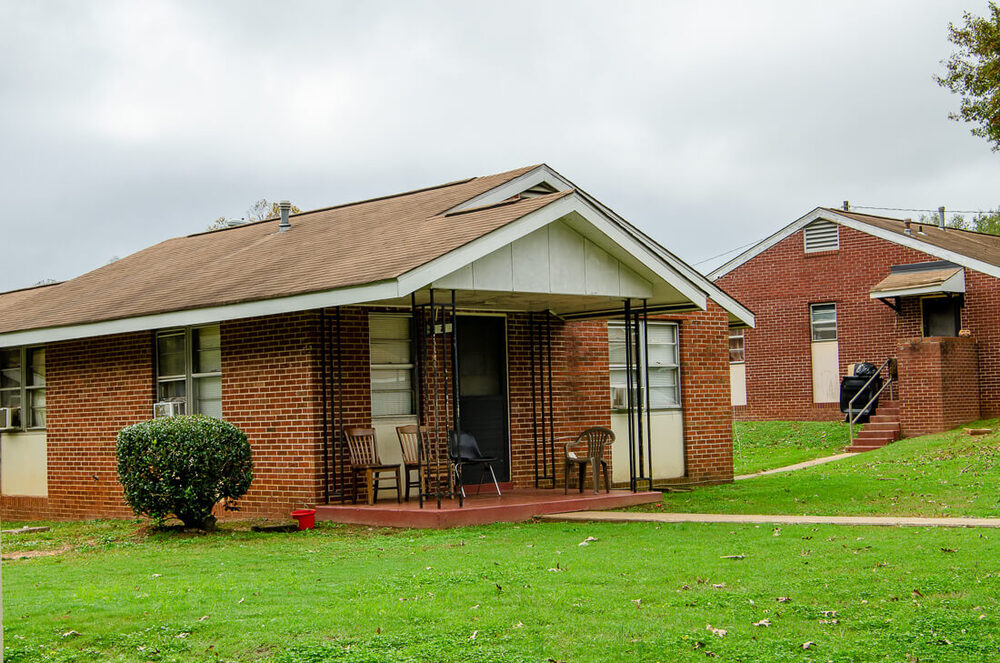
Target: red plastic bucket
x=306 y=518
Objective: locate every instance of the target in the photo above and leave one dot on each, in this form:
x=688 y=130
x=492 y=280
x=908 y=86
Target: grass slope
x=640 y=592
x=947 y=474
x=762 y=445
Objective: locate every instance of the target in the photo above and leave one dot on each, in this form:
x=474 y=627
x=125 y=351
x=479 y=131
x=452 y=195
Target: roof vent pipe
x=941 y=216
x=906 y=226
x=285 y=208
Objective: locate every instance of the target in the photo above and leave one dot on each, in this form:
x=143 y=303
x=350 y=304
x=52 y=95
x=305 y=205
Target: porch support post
x=649 y=397
x=629 y=395
x=534 y=403
x=417 y=334
x=338 y=464
x=548 y=451
x=324 y=355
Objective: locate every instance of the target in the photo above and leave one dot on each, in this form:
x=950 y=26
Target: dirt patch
x=30 y=554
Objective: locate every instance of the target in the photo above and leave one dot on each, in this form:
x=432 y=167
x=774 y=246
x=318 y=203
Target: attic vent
x=539 y=189
x=822 y=236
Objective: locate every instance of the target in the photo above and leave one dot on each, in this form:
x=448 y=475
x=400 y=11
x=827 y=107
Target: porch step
x=882 y=429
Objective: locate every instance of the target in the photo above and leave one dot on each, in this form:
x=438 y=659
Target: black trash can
x=850 y=385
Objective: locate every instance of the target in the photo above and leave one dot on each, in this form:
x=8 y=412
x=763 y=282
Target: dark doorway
x=482 y=360
x=942 y=316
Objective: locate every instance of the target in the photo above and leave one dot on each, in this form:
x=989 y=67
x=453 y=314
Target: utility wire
x=912 y=209
x=724 y=254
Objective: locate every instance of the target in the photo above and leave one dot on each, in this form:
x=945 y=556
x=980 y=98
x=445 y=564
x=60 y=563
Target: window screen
x=391 y=365
x=737 y=351
x=823 y=321
x=662 y=361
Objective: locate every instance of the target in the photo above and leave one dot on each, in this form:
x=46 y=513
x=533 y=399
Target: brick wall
x=708 y=416
x=779 y=285
x=94 y=388
x=272 y=389
x=938 y=384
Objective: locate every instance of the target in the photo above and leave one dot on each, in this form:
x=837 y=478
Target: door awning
x=925 y=278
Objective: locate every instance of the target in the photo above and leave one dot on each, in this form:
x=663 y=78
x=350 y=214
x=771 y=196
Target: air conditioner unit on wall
x=168 y=409
x=6 y=418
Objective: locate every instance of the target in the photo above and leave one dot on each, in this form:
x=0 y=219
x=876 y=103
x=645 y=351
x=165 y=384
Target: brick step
x=858 y=448
x=879 y=426
x=874 y=436
x=884 y=419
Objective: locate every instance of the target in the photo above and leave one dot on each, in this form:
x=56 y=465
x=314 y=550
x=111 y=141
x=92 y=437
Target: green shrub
x=183 y=466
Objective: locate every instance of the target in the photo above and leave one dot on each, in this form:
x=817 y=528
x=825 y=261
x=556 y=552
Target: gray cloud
x=709 y=125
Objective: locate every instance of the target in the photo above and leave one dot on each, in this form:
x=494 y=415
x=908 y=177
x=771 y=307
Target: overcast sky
x=709 y=125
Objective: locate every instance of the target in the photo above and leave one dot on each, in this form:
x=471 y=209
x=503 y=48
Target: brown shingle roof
x=331 y=248
x=907 y=280
x=978 y=246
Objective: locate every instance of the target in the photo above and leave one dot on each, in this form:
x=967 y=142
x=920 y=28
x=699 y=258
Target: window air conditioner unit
x=6 y=418
x=619 y=398
x=168 y=409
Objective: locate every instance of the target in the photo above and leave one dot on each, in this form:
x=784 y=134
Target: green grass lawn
x=762 y=445
x=530 y=592
x=948 y=474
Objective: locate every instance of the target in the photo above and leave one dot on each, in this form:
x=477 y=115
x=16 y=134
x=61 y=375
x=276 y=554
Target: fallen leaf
x=949 y=550
x=808 y=645
x=586 y=542
x=733 y=557
x=201 y=619
x=519 y=625
x=720 y=585
x=776 y=531
x=473 y=636
x=637 y=602
x=763 y=622
x=783 y=599
x=70 y=634
x=717 y=632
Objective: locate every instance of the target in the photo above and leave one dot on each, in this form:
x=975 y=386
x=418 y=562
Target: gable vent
x=822 y=236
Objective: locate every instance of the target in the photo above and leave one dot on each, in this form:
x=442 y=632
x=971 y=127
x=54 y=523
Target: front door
x=482 y=360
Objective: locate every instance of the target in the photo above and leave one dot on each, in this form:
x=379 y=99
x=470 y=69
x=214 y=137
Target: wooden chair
x=596 y=439
x=364 y=458
x=409 y=444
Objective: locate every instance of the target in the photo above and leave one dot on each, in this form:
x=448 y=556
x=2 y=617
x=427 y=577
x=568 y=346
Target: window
x=22 y=386
x=391 y=365
x=189 y=369
x=821 y=236
x=737 y=352
x=942 y=316
x=662 y=359
x=823 y=321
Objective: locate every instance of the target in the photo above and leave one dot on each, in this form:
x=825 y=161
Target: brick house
x=837 y=287
x=483 y=304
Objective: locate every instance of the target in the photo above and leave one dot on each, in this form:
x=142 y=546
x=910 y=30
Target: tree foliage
x=973 y=71
x=183 y=467
x=260 y=210
x=988 y=223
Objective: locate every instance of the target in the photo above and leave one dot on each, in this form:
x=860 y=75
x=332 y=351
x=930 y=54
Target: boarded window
x=822 y=236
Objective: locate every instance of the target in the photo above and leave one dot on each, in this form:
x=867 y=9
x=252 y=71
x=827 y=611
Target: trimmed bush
x=183 y=467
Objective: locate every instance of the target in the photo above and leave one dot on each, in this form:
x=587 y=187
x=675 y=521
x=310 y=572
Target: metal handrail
x=851 y=417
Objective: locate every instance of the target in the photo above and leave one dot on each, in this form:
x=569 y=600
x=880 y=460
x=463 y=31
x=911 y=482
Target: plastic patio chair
x=596 y=439
x=463 y=450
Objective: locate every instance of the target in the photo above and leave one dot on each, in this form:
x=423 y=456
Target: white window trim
x=189 y=376
x=679 y=405
x=24 y=389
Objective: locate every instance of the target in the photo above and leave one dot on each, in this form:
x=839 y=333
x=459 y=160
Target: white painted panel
x=458 y=280
x=738 y=384
x=825 y=372
x=667 y=447
x=494 y=272
x=633 y=285
x=602 y=271
x=23 y=464
x=567 y=260
x=388 y=442
x=531 y=262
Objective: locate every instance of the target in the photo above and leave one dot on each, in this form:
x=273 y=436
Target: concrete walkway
x=796 y=466
x=888 y=521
